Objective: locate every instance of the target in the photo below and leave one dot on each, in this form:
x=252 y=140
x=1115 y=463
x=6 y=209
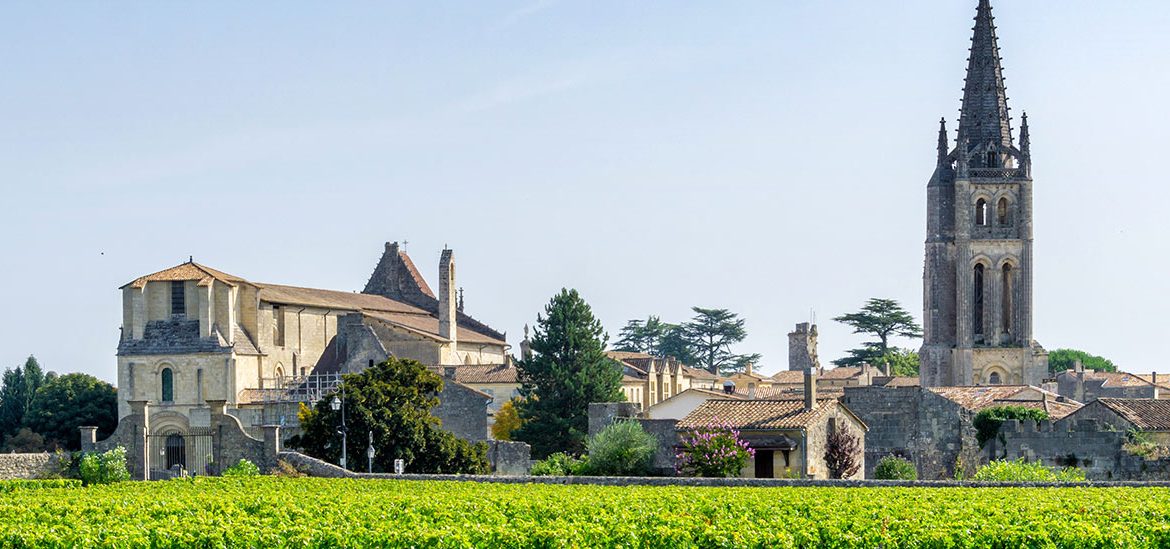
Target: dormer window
x=178 y=299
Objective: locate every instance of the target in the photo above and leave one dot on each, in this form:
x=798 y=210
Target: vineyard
x=276 y=512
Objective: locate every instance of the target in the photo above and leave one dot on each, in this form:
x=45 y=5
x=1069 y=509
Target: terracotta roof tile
x=756 y=414
x=1146 y=414
x=976 y=398
x=788 y=377
x=332 y=299
x=486 y=373
x=186 y=271
x=842 y=372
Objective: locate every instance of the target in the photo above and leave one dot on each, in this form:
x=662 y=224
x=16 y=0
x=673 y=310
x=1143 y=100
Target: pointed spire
x=984 y=117
x=942 y=142
x=1025 y=139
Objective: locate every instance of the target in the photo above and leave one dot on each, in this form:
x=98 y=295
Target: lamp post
x=339 y=404
x=370 y=454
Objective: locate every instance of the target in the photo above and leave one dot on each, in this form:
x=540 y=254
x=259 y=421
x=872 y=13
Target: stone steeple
x=984 y=121
x=396 y=278
x=977 y=281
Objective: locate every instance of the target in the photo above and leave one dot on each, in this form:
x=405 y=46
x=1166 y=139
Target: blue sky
x=766 y=157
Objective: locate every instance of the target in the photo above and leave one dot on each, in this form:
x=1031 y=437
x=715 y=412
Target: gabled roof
x=979 y=397
x=788 y=377
x=756 y=414
x=186 y=271
x=622 y=356
x=428 y=326
x=332 y=299
x=1146 y=414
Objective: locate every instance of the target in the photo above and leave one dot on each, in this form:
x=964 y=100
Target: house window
x=178 y=299
x=168 y=385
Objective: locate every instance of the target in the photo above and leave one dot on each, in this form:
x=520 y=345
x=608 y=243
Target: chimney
x=810 y=389
x=748 y=369
x=1078 y=367
x=1154 y=381
x=447 y=301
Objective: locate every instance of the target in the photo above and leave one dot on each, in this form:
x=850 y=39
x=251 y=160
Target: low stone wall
x=509 y=458
x=17 y=466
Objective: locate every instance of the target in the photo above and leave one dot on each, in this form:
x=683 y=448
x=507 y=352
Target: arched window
x=1001 y=213
x=992 y=159
x=977 y=302
x=168 y=385
x=279 y=374
x=981 y=212
x=1006 y=318
x=994 y=379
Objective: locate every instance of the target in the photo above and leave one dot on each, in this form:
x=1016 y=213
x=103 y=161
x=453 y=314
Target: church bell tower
x=977 y=282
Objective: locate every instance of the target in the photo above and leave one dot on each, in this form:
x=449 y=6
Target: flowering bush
x=714 y=450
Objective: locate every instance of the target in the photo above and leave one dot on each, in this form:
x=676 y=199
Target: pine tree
x=710 y=335
x=568 y=370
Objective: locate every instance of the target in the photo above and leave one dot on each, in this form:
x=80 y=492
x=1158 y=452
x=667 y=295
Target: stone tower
x=977 y=282
x=802 y=349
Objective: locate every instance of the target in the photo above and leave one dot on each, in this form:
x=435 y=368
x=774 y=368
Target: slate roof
x=1146 y=414
x=756 y=414
x=186 y=271
x=163 y=337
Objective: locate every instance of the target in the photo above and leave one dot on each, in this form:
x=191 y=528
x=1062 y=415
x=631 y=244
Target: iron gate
x=174 y=453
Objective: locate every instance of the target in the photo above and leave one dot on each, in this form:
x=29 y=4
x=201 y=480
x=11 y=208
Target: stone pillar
x=138 y=457
x=88 y=438
x=218 y=407
x=272 y=444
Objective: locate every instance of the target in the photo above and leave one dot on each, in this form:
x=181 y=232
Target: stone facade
x=802 y=348
x=462 y=410
x=27 y=466
x=977 y=284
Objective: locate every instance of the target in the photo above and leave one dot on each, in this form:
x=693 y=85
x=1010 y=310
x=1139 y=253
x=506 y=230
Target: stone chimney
x=1154 y=381
x=447 y=299
x=802 y=348
x=748 y=369
x=810 y=389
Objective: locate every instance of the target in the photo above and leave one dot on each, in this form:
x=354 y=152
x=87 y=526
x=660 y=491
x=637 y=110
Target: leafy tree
x=393 y=400
x=882 y=318
x=25 y=441
x=642 y=337
x=68 y=402
x=674 y=345
x=710 y=335
x=901 y=362
x=17 y=389
x=988 y=421
x=623 y=448
x=567 y=371
x=841 y=453
x=507 y=421
x=1064 y=359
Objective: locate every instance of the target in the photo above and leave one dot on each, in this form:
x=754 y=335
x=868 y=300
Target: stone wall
x=666 y=431
x=18 y=466
x=601 y=414
x=910 y=422
x=463 y=410
x=1093 y=446
x=509 y=458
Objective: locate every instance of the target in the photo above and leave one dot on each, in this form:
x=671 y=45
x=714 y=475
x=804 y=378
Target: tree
x=841 y=452
x=881 y=318
x=710 y=335
x=623 y=448
x=17 y=389
x=901 y=362
x=642 y=337
x=712 y=450
x=68 y=402
x=25 y=441
x=507 y=421
x=392 y=400
x=1060 y=360
x=674 y=345
x=567 y=371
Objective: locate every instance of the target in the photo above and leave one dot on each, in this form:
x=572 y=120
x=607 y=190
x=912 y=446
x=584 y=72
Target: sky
x=768 y=157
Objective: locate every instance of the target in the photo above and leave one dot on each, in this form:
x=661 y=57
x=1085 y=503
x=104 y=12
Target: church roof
x=186 y=271
x=426 y=325
x=332 y=299
x=984 y=117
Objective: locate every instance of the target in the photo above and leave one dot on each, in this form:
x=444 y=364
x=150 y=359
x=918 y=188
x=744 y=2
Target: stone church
x=194 y=335
x=977 y=284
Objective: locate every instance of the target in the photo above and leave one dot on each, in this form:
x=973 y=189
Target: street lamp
x=370 y=454
x=339 y=404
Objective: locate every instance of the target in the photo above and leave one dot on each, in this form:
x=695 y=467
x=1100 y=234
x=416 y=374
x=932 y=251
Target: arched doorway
x=176 y=451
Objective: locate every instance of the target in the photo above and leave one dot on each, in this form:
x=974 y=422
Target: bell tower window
x=992 y=159
x=1006 y=319
x=981 y=212
x=977 y=303
x=1001 y=213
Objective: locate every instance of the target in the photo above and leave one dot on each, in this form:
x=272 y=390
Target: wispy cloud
x=522 y=89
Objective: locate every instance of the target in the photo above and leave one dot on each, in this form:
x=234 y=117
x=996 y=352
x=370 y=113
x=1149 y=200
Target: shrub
x=560 y=464
x=714 y=450
x=507 y=421
x=1023 y=471
x=895 y=468
x=988 y=421
x=104 y=468
x=841 y=452
x=242 y=468
x=622 y=449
